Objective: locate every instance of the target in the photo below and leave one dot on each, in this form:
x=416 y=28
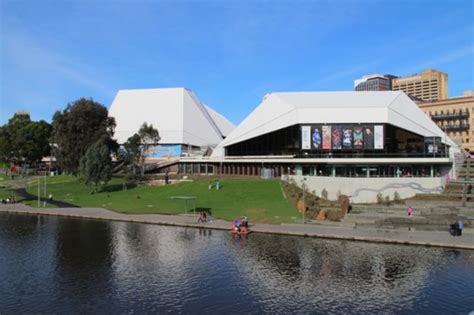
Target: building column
x=333 y=171
x=431 y=170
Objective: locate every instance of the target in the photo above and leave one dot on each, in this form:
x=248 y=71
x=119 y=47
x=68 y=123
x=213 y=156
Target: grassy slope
x=261 y=200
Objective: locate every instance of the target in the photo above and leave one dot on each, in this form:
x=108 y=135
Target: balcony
x=456 y=127
x=455 y=115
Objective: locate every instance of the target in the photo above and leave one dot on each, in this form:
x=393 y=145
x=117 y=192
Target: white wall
x=365 y=190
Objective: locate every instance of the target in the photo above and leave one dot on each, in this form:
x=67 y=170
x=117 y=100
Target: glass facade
x=340 y=141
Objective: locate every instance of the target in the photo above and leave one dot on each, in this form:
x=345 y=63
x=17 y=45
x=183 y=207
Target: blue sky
x=230 y=53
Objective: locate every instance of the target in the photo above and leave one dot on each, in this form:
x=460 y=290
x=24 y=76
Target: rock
x=343 y=202
x=321 y=216
x=300 y=206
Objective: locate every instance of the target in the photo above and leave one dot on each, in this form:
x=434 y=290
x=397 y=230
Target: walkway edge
x=420 y=238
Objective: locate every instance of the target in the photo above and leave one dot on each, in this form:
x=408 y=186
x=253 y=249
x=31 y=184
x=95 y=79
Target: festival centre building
x=186 y=126
x=354 y=143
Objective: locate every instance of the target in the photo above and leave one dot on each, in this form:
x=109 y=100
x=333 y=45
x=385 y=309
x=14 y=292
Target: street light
x=303 y=186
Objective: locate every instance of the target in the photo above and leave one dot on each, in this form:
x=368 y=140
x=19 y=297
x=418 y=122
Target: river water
x=59 y=265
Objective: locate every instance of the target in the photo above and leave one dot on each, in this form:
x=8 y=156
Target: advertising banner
x=378 y=137
x=305 y=137
x=316 y=137
x=358 y=138
x=368 y=137
x=337 y=138
x=326 y=130
x=347 y=138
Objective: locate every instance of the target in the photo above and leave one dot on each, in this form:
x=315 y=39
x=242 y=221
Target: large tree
x=135 y=151
x=76 y=128
x=149 y=137
x=24 y=141
x=96 y=164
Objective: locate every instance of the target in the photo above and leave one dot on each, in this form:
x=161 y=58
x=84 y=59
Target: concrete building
x=430 y=85
x=184 y=123
x=455 y=116
x=355 y=143
x=374 y=82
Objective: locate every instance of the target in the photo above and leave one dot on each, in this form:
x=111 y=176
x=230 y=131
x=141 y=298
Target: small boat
x=243 y=231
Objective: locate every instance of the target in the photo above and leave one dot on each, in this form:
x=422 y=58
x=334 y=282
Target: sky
x=230 y=53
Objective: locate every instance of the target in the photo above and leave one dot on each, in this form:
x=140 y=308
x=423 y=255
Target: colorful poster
x=337 y=138
x=316 y=138
x=347 y=138
x=378 y=137
x=305 y=137
x=326 y=137
x=358 y=138
x=368 y=137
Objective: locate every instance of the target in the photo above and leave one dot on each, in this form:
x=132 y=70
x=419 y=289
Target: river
x=61 y=265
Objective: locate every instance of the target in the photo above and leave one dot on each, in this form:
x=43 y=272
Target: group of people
x=204 y=216
x=241 y=225
x=9 y=199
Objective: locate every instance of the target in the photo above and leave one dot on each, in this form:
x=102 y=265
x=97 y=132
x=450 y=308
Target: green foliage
x=149 y=137
x=324 y=194
x=96 y=164
x=379 y=198
x=396 y=197
x=78 y=127
x=24 y=141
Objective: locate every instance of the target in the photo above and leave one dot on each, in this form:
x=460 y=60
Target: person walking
x=209 y=215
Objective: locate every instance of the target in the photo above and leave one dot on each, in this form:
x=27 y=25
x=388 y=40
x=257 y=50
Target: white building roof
x=280 y=110
x=177 y=113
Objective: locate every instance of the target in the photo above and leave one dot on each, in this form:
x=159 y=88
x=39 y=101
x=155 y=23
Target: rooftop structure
x=177 y=113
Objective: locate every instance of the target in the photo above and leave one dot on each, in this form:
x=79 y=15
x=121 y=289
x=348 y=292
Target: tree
x=134 y=152
x=24 y=141
x=96 y=164
x=149 y=137
x=78 y=127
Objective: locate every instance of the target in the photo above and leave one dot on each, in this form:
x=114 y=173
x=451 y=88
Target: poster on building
x=378 y=137
x=326 y=130
x=347 y=138
x=358 y=138
x=337 y=138
x=305 y=137
x=316 y=137
x=432 y=145
x=368 y=137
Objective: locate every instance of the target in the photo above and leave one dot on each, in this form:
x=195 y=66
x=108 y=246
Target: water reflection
x=114 y=267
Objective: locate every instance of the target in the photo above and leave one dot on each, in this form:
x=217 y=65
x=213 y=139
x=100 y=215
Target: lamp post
x=303 y=186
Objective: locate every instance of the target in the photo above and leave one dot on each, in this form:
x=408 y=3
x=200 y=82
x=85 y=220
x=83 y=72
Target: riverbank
x=367 y=234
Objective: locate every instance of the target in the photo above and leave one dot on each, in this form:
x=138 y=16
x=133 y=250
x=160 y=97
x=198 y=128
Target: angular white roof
x=280 y=110
x=177 y=113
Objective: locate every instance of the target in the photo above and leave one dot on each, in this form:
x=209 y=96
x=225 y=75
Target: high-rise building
x=455 y=116
x=430 y=85
x=374 y=82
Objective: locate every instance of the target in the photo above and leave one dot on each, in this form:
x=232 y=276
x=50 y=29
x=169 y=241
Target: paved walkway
x=368 y=234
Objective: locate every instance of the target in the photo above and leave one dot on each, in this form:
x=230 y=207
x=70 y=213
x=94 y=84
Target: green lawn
x=261 y=200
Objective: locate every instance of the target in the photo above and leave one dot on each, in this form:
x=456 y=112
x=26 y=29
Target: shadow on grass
x=116 y=187
x=202 y=209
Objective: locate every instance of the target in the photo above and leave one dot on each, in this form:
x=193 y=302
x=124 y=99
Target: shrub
x=324 y=194
x=379 y=198
x=396 y=197
x=334 y=215
x=387 y=201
